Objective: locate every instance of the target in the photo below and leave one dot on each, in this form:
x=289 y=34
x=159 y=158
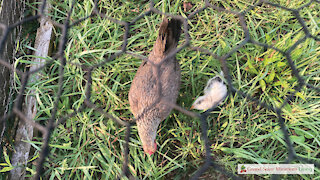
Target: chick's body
x=214 y=93
x=144 y=91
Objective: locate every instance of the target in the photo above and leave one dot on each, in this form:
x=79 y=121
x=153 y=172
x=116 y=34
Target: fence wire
x=208 y=161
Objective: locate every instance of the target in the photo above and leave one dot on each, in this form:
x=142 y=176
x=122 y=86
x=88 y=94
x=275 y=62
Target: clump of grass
x=88 y=145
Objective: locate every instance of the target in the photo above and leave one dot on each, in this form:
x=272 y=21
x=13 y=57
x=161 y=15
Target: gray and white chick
x=214 y=93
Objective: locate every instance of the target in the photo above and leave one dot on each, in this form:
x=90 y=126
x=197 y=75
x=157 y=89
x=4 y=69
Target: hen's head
x=148 y=131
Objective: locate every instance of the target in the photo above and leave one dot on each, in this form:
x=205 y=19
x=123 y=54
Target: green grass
x=240 y=131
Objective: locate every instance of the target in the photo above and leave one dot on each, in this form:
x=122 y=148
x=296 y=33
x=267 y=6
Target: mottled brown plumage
x=143 y=91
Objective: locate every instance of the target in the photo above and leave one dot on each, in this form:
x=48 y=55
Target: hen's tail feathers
x=169 y=34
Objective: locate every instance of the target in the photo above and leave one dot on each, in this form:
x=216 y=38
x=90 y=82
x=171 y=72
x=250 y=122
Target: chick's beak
x=192 y=107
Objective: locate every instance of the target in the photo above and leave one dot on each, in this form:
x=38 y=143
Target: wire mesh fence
x=53 y=122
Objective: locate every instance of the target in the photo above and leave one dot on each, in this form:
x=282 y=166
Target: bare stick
x=25 y=130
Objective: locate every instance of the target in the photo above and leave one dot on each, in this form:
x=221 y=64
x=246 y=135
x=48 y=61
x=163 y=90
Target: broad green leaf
x=297 y=139
x=259 y=138
x=299 y=94
x=278 y=83
x=270 y=76
x=223 y=44
x=263 y=85
x=31 y=171
x=268 y=39
x=307 y=134
x=281 y=64
x=250 y=66
x=6 y=158
x=35 y=157
x=285 y=85
x=224 y=125
x=268 y=60
x=6 y=169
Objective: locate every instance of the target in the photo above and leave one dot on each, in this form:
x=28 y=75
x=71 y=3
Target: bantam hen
x=214 y=93
x=144 y=87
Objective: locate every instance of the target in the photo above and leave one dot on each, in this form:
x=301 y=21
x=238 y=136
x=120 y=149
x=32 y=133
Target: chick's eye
x=199 y=102
x=219 y=79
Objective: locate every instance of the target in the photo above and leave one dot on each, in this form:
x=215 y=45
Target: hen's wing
x=143 y=91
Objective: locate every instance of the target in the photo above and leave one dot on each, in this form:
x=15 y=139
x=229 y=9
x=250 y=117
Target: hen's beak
x=192 y=107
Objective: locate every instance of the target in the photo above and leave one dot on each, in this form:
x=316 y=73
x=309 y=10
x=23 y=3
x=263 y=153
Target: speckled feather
x=143 y=91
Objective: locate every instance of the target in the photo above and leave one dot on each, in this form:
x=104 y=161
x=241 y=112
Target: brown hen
x=143 y=92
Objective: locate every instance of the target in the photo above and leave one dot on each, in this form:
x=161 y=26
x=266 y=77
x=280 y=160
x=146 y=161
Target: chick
x=143 y=90
x=214 y=93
